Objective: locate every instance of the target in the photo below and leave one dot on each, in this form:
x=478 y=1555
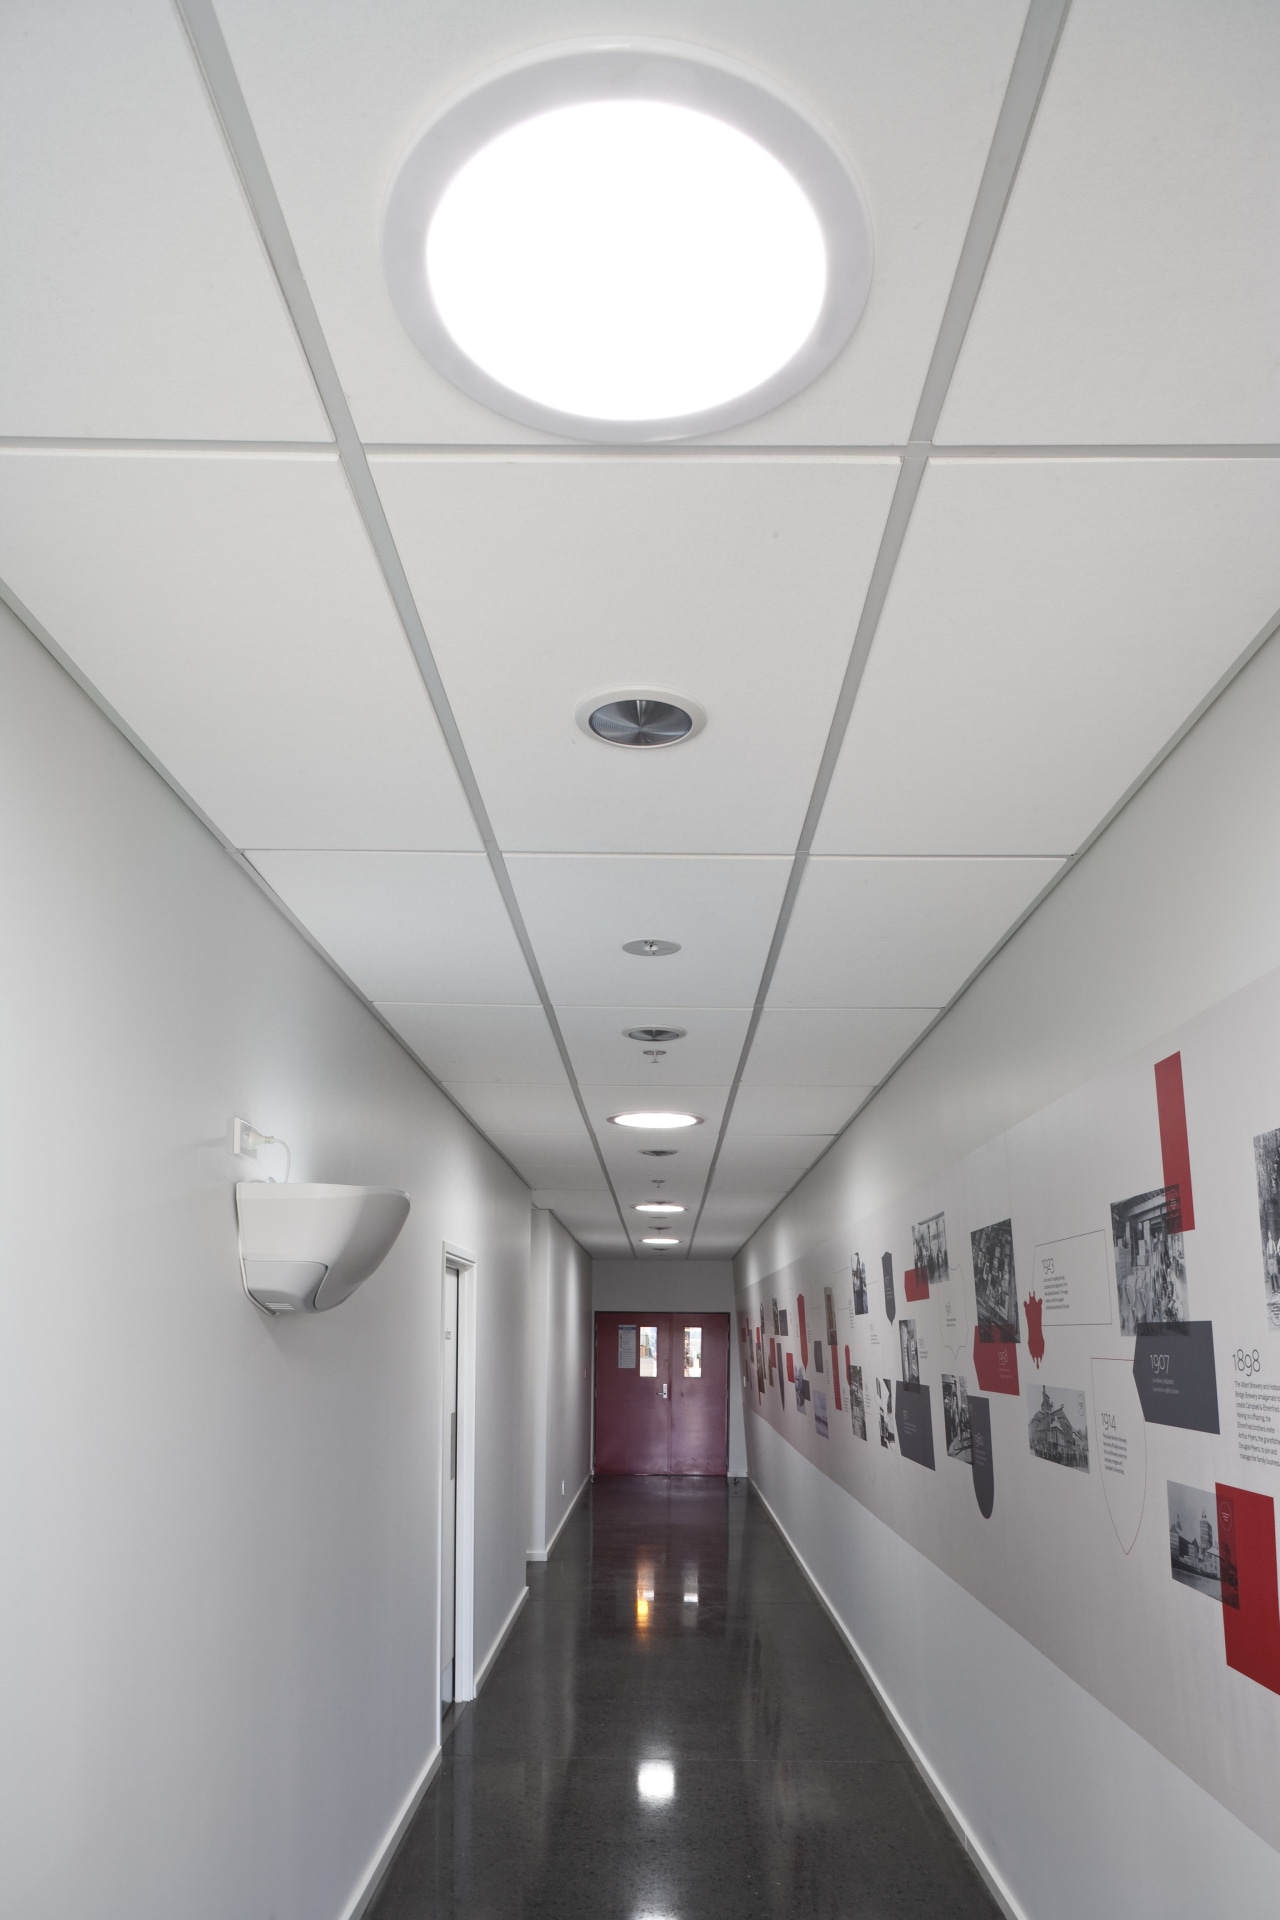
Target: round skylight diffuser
x=627 y=243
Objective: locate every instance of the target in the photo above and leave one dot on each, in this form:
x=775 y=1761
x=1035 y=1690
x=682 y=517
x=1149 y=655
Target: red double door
x=662 y=1393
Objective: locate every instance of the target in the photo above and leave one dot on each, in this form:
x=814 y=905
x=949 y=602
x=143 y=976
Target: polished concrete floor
x=674 y=1731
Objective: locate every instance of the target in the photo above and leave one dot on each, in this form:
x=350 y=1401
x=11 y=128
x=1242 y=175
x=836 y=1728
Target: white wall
x=218 y=1613
x=560 y=1323
x=1172 y=911
x=670 y=1286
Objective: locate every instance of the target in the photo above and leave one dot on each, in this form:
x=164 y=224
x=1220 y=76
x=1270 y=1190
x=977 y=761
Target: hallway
x=675 y=1732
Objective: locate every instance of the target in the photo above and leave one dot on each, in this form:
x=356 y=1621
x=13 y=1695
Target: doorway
x=662 y=1393
x=449 y=1492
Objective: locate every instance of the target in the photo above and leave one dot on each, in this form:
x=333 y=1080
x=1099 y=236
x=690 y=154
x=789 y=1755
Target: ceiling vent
x=654 y=1036
x=640 y=717
x=651 y=949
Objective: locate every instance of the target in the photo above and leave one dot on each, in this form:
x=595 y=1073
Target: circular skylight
x=627 y=243
x=626 y=260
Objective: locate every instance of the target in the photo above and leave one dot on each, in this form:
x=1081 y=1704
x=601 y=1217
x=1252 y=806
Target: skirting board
x=955 y=1819
x=544 y=1553
x=486 y=1665
x=363 y=1897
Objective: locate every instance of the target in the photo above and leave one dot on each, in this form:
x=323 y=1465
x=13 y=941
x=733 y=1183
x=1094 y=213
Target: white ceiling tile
x=230 y=609
x=1050 y=624
x=137 y=297
x=406 y=926
x=831 y=1046
x=482 y=1043
x=1134 y=288
x=911 y=92
x=523 y=1113
x=775 y=1109
x=543 y=583
x=581 y=912
x=707 y=1055
x=758 y=1162
x=868 y=933
x=559 y=1163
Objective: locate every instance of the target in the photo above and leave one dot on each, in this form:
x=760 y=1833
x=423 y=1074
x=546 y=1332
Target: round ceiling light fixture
x=660 y=1240
x=641 y=717
x=627 y=241
x=658 y=1206
x=654 y=1036
x=651 y=949
x=659 y=1122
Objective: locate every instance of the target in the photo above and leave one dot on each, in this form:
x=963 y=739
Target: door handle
x=664 y=1389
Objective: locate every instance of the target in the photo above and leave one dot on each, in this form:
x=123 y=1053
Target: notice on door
x=626 y=1346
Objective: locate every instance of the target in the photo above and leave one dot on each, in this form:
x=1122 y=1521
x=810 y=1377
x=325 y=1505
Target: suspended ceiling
x=943 y=609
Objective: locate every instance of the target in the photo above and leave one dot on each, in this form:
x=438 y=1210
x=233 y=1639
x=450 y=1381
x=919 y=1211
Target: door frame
x=458 y=1257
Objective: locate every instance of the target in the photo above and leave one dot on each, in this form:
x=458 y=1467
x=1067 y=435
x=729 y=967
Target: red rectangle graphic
x=1172 y=1109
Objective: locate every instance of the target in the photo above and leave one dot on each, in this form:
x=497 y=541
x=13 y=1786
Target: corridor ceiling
x=943 y=609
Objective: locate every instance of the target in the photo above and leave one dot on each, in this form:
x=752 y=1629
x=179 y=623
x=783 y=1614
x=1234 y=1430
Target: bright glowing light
x=626 y=260
x=658 y=1206
x=659 y=1240
x=691 y=1599
x=656 y=1781
x=656 y=1122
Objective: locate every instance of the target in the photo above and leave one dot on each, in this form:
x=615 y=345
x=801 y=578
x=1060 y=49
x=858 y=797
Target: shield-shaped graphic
x=1122 y=1447
x=984 y=1472
x=886 y=1267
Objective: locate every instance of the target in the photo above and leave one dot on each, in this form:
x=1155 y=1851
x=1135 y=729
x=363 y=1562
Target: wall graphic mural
x=1044 y=1324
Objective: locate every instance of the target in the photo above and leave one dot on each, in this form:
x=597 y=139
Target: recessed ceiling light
x=627 y=242
x=658 y=1153
x=659 y=1122
x=651 y=949
x=641 y=717
x=654 y=1036
x=658 y=1206
x=659 y=1240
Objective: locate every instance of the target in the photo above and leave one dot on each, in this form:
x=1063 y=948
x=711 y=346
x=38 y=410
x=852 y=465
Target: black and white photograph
x=857 y=1402
x=995 y=1285
x=1194 y=1556
x=803 y=1390
x=910 y=1352
x=955 y=1417
x=1266 y=1160
x=1151 y=1266
x=858 y=1267
x=774 y=1305
x=884 y=1397
x=1058 y=1426
x=820 y=1414
x=929 y=1247
x=833 y=1336
x=817 y=1357
x=759 y=1365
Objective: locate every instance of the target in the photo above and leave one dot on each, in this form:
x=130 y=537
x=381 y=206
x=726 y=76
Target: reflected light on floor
x=656 y=1782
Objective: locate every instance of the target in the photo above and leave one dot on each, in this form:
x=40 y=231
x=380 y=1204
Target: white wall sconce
x=305 y=1248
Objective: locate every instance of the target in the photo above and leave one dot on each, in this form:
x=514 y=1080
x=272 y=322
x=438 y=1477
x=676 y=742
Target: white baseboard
x=987 y=1869
x=483 y=1670
x=544 y=1553
x=363 y=1897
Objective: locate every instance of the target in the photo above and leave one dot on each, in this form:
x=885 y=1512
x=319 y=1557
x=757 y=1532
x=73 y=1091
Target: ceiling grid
x=940 y=643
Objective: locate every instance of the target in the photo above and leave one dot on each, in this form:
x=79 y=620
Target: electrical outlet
x=245 y=1140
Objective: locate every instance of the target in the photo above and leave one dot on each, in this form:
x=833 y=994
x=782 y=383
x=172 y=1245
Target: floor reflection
x=675 y=1732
